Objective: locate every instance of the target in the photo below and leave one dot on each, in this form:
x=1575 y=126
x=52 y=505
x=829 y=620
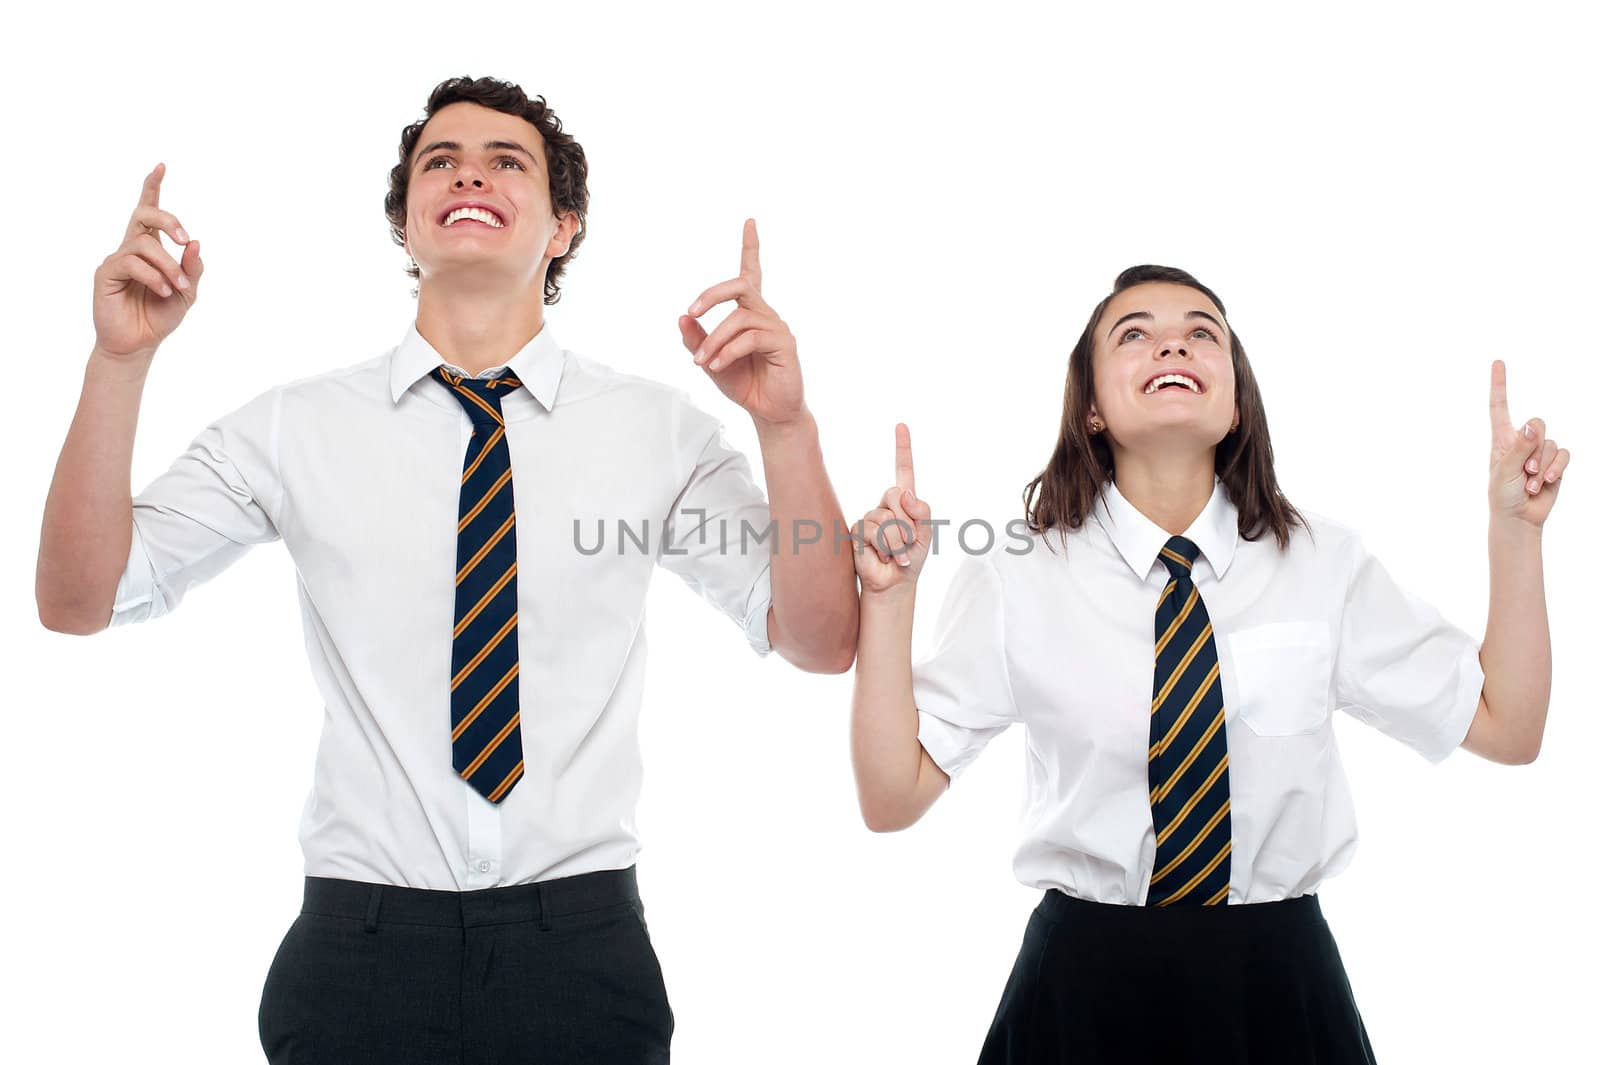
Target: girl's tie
x=1188 y=746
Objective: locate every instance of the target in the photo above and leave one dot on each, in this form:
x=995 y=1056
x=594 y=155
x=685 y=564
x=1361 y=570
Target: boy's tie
x=485 y=724
x=1188 y=746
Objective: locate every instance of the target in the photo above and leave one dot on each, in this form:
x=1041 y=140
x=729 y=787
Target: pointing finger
x=750 y=254
x=150 y=195
x=1499 y=414
x=904 y=476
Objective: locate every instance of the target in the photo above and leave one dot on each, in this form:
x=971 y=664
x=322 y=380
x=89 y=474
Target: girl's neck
x=1170 y=490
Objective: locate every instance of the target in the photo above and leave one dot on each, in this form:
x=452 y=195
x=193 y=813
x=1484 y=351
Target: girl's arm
x=896 y=780
x=1515 y=655
x=1525 y=477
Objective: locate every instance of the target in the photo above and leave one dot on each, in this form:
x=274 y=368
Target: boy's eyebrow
x=1147 y=314
x=488 y=146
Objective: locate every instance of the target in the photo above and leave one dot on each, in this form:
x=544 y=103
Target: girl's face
x=1148 y=335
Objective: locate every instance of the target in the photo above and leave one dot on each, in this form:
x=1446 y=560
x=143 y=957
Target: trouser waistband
x=460 y=909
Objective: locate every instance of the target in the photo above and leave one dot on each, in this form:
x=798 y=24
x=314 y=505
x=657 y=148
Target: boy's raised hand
x=140 y=292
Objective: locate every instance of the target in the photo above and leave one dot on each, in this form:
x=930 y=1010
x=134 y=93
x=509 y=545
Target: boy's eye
x=503 y=159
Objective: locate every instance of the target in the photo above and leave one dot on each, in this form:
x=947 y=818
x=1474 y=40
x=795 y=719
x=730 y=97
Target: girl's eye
x=1202 y=330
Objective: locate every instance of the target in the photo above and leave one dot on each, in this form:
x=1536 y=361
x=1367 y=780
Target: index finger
x=149 y=196
x=750 y=254
x=1499 y=414
x=904 y=477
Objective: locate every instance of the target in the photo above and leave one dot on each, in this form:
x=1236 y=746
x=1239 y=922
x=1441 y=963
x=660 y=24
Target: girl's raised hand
x=140 y=292
x=896 y=533
x=1525 y=467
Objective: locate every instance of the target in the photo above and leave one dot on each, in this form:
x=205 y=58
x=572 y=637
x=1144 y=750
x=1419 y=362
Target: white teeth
x=1182 y=379
x=477 y=214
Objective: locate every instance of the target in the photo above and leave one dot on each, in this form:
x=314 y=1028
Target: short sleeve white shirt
x=1061 y=639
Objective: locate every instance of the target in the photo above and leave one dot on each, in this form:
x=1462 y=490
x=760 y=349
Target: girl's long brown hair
x=1065 y=492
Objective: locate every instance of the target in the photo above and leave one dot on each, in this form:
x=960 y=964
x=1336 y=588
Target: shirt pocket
x=1283 y=673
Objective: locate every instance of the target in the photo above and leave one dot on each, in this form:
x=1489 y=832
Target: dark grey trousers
x=559 y=971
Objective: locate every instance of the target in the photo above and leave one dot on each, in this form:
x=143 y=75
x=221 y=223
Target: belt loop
x=372 y=907
x=538 y=901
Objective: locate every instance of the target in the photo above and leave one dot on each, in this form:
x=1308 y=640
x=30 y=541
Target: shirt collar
x=1139 y=540
x=538 y=365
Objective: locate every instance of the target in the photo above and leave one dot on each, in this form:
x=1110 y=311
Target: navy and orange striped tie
x=485 y=722
x=1188 y=746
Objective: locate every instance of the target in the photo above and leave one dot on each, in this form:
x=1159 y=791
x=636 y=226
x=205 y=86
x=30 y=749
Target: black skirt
x=1123 y=985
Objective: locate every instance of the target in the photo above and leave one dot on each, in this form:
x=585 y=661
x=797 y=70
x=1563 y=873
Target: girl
x=1173 y=635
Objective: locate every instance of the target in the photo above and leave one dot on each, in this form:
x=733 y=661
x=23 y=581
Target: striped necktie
x=1188 y=746
x=485 y=722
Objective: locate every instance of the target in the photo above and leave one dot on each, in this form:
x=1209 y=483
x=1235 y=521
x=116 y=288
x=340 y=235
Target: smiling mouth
x=480 y=215
x=1173 y=383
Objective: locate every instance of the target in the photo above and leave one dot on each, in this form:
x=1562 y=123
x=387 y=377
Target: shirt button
x=485 y=866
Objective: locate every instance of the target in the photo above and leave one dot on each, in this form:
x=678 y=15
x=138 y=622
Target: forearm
x=87 y=527
x=815 y=610
x=892 y=783
x=1515 y=655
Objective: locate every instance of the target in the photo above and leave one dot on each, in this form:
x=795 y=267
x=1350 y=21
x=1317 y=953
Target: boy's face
x=470 y=154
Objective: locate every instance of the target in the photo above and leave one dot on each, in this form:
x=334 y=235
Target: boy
x=470 y=887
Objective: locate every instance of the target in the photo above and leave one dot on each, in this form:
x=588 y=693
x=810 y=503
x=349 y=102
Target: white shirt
x=358 y=472
x=1064 y=642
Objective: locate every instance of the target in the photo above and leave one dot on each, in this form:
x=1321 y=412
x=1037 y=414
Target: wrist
x=120 y=369
x=898 y=595
x=1505 y=528
x=800 y=428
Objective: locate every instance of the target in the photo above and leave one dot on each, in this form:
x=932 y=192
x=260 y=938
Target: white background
x=1386 y=201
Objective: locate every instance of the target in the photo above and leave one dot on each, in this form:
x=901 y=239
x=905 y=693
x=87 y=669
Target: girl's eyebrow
x=1148 y=316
